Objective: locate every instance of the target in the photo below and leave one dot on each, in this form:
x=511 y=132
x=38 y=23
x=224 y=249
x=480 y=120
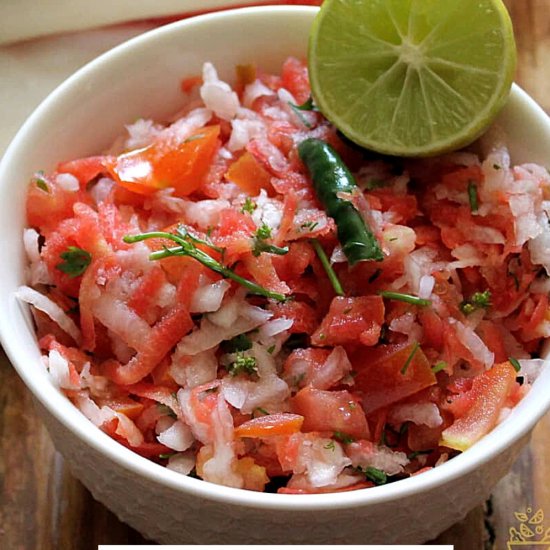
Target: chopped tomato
x=301 y=364
x=49 y=205
x=493 y=338
x=270 y=425
x=351 y=321
x=295 y=79
x=164 y=336
x=262 y=270
x=304 y=317
x=167 y=162
x=160 y=394
x=125 y=405
x=433 y=329
x=486 y=400
x=187 y=84
x=249 y=175
x=390 y=373
x=316 y=367
x=84 y=169
x=331 y=411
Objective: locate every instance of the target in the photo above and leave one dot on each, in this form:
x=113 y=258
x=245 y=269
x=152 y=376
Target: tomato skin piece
x=84 y=169
x=270 y=425
x=249 y=175
x=167 y=163
x=295 y=79
x=380 y=378
x=487 y=398
x=330 y=411
x=304 y=317
x=351 y=320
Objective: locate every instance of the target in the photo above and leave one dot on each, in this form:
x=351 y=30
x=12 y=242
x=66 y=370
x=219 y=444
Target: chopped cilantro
x=261 y=410
x=271 y=349
x=75 y=261
x=260 y=245
x=167 y=455
x=329 y=270
x=263 y=232
x=311 y=225
x=343 y=437
x=248 y=206
x=472 y=196
x=41 y=184
x=239 y=343
x=40 y=181
x=478 y=300
x=439 y=366
x=243 y=364
x=307 y=105
x=378 y=477
x=515 y=363
x=408 y=298
x=330 y=445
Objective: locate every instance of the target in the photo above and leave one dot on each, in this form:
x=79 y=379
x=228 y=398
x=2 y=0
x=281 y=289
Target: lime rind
x=409 y=77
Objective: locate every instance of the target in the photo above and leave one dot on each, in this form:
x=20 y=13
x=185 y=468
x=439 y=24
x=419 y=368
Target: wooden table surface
x=42 y=507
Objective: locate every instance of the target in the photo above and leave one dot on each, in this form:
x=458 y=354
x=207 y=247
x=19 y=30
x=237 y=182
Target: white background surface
x=42 y=42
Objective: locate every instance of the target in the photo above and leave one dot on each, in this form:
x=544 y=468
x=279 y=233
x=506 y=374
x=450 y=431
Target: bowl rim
x=62 y=409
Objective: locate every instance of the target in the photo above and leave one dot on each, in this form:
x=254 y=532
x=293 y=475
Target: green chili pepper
x=331 y=177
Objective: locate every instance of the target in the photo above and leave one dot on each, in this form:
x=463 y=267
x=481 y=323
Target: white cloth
x=34 y=60
x=22 y=19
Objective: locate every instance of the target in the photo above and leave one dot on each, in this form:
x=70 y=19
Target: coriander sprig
x=243 y=364
x=260 y=245
x=186 y=246
x=478 y=300
x=408 y=298
x=333 y=278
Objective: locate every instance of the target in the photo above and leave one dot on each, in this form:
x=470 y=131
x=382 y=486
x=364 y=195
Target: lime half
x=411 y=77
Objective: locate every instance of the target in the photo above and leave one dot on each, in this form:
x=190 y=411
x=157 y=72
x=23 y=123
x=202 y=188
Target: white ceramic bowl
x=82 y=117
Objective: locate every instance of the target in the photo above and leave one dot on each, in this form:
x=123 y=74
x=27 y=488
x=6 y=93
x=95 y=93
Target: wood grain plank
x=531 y=19
x=26 y=453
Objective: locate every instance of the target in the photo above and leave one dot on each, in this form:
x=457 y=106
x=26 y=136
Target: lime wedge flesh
x=411 y=77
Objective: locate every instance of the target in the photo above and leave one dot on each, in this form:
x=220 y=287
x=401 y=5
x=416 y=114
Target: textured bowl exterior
x=141 y=79
x=170 y=516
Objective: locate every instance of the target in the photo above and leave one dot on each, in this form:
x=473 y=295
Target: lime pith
x=411 y=77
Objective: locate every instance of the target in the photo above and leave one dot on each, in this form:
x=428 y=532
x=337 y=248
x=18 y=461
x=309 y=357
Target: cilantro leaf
x=243 y=364
x=75 y=261
x=260 y=245
x=478 y=300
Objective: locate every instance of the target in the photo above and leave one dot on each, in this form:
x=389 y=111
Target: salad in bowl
x=231 y=290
